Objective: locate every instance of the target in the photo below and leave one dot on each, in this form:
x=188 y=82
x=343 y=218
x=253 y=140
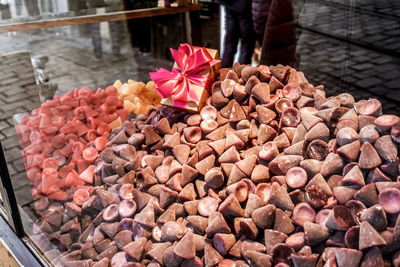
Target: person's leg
x=248 y=39
x=95 y=34
x=231 y=38
x=114 y=27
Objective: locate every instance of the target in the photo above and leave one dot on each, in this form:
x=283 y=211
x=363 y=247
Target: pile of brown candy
x=271 y=172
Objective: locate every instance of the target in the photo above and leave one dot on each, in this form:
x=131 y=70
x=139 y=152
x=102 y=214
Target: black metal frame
x=9 y=200
x=11 y=227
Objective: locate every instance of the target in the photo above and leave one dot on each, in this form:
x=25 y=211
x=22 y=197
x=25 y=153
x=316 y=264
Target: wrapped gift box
x=195 y=84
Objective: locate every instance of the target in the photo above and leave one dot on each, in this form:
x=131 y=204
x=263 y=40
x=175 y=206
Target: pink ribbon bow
x=178 y=83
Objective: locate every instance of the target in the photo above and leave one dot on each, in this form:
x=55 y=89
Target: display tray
x=271 y=171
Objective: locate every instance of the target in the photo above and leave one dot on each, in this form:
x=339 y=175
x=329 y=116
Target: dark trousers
x=140 y=29
x=96 y=36
x=238 y=27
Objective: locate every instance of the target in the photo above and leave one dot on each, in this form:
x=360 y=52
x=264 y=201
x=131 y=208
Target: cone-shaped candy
x=346 y=257
x=223 y=242
x=254 y=202
x=121 y=138
x=386 y=148
x=367 y=195
x=109 y=229
x=296 y=149
x=300 y=260
x=185 y=247
x=249 y=71
x=257 y=259
x=218 y=146
x=287 y=162
x=211 y=256
x=261 y=92
x=232 y=76
x=319 y=131
x=281 y=199
x=168 y=215
x=245 y=227
x=171 y=231
x=227 y=87
x=181 y=153
x=260 y=174
x=302 y=213
x=296 y=241
x=372 y=258
x=229 y=156
x=339 y=218
x=247 y=165
x=236 y=175
x=265 y=115
x=251 y=82
x=369 y=134
x=146 y=216
x=311 y=166
x=237 y=113
x=375 y=216
x=369 y=237
x=203 y=149
x=350 y=151
x=163 y=126
x=188 y=174
x=175 y=182
x=351 y=238
x=343 y=194
x=309 y=120
x=207 y=205
x=227 y=168
x=369 y=158
x=135 y=248
x=217 y=224
x=354 y=178
x=231 y=207
x=150 y=135
x=170 y=259
x=217 y=134
x=188 y=193
x=157 y=251
x=205 y=165
x=214 y=178
x=346 y=136
x=327 y=114
x=317 y=191
x=333 y=164
x=265 y=133
x=376 y=175
x=191 y=207
x=264 y=217
x=282 y=222
x=331 y=103
x=315 y=233
x=167 y=196
x=198 y=223
x=281 y=254
x=273 y=237
x=299 y=134
x=172 y=140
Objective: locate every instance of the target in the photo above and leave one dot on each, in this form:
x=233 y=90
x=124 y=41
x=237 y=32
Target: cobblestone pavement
x=347 y=45
x=351 y=46
x=18 y=93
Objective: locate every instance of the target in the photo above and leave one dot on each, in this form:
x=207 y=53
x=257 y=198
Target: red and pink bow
x=178 y=83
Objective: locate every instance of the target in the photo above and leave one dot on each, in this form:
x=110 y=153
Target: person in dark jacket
x=260 y=10
x=239 y=26
x=279 y=44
